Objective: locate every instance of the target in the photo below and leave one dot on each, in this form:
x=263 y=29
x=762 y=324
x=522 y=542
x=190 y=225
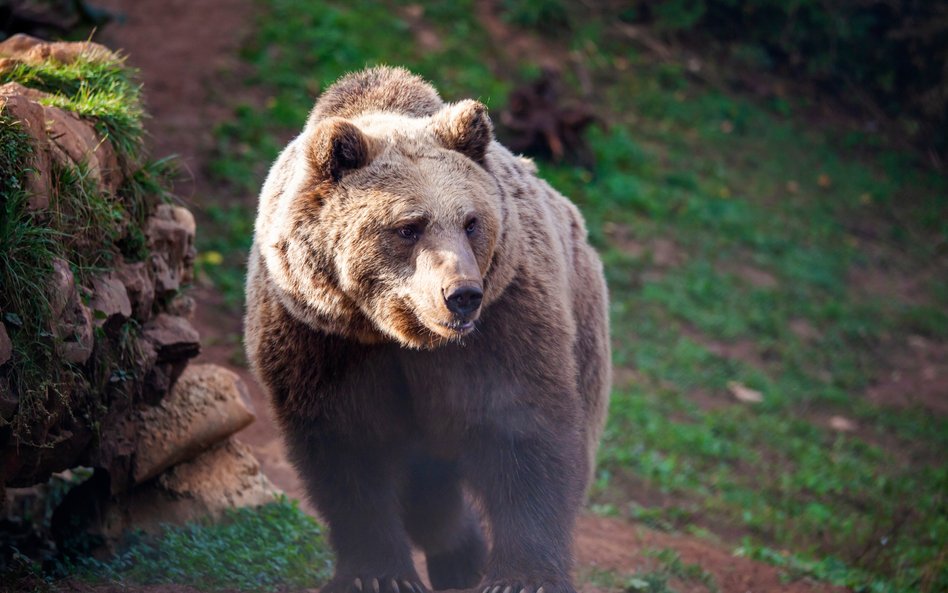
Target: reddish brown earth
x=187 y=54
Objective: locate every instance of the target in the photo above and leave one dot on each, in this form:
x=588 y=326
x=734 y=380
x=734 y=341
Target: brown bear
x=431 y=325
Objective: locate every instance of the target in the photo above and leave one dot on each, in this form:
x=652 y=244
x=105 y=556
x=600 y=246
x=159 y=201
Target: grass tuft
x=268 y=548
x=27 y=250
x=101 y=90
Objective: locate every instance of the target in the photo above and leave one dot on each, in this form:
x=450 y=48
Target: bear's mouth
x=461 y=327
x=453 y=329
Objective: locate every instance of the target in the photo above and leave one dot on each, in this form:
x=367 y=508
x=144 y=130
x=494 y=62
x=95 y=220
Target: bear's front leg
x=354 y=486
x=531 y=485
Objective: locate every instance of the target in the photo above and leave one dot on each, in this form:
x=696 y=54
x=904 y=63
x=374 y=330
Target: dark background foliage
x=887 y=59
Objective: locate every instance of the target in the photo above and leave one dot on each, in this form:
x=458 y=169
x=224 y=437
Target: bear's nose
x=464 y=300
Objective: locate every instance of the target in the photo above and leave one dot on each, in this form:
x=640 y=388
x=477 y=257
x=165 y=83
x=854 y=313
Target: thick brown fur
x=431 y=326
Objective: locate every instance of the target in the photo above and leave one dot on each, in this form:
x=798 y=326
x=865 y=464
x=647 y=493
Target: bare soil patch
x=753 y=275
x=741 y=350
x=187 y=54
x=662 y=252
x=615 y=545
x=917 y=377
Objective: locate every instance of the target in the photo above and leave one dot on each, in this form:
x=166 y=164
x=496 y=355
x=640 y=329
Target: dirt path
x=187 y=53
x=187 y=56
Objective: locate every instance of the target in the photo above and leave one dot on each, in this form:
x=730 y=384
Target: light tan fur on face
x=340 y=263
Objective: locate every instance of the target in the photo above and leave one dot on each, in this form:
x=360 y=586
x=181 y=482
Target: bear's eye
x=408 y=232
x=471 y=226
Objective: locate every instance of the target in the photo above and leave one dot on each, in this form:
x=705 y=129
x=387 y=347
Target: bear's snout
x=464 y=300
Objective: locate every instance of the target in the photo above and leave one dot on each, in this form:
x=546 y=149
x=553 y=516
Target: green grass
x=725 y=224
x=27 y=250
x=100 y=90
x=268 y=548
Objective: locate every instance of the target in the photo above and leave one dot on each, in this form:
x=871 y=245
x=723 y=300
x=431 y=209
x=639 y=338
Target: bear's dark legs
x=531 y=487
x=355 y=488
x=443 y=524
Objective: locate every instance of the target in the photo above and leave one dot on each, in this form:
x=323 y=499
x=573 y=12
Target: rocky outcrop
x=156 y=432
x=185 y=461
x=115 y=331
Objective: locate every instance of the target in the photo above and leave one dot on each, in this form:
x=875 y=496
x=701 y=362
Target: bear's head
x=389 y=225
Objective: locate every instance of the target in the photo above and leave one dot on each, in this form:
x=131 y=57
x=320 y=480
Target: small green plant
x=671 y=562
x=655 y=580
x=650 y=581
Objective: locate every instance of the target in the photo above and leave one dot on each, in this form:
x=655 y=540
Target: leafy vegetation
x=734 y=238
x=268 y=548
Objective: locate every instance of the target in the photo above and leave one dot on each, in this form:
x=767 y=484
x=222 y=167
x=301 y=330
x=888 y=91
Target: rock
x=71 y=320
x=28 y=464
x=76 y=332
x=110 y=304
x=174 y=342
x=30 y=49
x=224 y=477
x=138 y=286
x=227 y=476
x=160 y=379
x=182 y=305
x=74 y=141
x=173 y=338
x=19 y=45
x=157 y=383
x=744 y=394
x=167 y=279
x=206 y=405
x=6 y=346
x=126 y=373
x=115 y=448
x=842 y=424
x=183 y=217
x=62 y=289
x=170 y=233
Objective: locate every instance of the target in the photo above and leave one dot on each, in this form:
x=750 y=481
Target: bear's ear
x=337 y=146
x=465 y=127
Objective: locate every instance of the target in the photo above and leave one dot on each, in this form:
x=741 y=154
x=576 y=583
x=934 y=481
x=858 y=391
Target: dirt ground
x=187 y=54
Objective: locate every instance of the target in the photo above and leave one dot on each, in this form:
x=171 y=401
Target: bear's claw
x=384 y=584
x=519 y=587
